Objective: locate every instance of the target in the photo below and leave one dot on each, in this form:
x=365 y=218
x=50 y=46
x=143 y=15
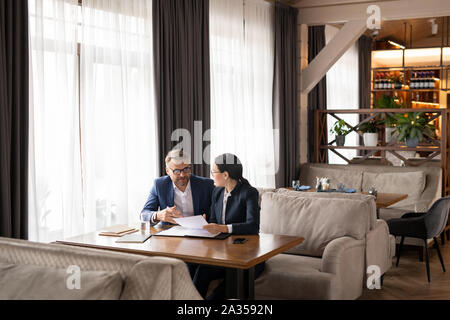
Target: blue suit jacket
x=161 y=195
x=242 y=209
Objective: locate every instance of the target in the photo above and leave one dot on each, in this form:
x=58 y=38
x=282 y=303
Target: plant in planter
x=388 y=102
x=370 y=133
x=340 y=129
x=390 y=124
x=413 y=127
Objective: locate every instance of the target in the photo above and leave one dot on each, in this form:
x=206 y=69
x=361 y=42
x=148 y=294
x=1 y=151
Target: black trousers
x=205 y=274
x=192 y=267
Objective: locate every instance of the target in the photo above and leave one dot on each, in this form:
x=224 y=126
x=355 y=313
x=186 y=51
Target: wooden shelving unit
x=433 y=147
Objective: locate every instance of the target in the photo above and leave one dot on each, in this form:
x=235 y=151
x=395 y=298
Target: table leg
x=240 y=284
x=234 y=283
x=250 y=283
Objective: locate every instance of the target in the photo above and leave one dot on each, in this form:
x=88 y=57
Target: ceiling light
x=396 y=44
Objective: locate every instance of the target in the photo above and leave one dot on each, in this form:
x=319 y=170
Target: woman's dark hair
x=230 y=163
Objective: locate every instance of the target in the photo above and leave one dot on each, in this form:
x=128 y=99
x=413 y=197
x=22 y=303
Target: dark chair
x=422 y=225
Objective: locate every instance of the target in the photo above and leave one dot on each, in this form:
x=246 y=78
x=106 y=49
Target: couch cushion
x=289 y=276
x=30 y=282
x=433 y=175
x=411 y=183
x=261 y=191
x=338 y=195
x=318 y=220
x=351 y=179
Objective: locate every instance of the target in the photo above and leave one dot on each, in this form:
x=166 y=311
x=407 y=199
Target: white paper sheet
x=179 y=231
x=193 y=222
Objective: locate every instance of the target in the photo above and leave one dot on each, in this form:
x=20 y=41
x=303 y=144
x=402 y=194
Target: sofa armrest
x=378 y=247
x=344 y=257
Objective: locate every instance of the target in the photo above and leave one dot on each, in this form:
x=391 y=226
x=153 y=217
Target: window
x=242 y=58
x=342 y=93
x=93 y=148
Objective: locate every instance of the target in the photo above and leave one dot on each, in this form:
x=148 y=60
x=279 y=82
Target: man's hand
x=168 y=214
x=216 y=228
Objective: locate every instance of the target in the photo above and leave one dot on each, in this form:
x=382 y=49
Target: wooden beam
x=322 y=3
x=390 y=10
x=326 y=58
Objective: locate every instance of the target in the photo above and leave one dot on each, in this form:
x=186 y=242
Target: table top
x=383 y=200
x=214 y=252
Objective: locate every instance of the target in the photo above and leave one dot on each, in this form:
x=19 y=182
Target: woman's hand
x=215 y=228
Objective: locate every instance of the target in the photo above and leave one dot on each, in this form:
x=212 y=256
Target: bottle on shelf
x=424 y=80
x=430 y=80
x=391 y=83
x=412 y=81
x=420 y=80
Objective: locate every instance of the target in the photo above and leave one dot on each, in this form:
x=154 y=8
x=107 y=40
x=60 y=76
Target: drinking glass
x=295 y=184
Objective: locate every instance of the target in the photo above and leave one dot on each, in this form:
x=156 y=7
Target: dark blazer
x=161 y=195
x=242 y=210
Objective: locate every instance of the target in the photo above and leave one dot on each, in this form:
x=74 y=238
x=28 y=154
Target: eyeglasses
x=178 y=171
x=214 y=172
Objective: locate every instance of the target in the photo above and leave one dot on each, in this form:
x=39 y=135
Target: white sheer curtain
x=119 y=147
x=342 y=93
x=93 y=160
x=55 y=206
x=242 y=62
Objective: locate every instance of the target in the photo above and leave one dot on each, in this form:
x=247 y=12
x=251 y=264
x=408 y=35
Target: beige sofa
x=422 y=184
x=342 y=235
x=30 y=270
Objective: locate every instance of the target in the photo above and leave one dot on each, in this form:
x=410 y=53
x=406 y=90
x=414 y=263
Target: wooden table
x=385 y=200
x=238 y=259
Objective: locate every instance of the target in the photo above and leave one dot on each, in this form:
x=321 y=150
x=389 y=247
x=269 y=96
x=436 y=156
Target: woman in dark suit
x=234 y=209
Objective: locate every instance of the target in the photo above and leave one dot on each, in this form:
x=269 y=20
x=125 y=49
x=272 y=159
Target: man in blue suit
x=179 y=194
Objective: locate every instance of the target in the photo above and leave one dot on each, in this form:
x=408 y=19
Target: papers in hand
x=194 y=222
x=190 y=227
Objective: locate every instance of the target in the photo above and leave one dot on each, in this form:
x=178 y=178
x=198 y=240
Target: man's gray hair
x=178 y=156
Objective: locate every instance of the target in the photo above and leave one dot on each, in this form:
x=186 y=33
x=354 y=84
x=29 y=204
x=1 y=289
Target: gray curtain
x=13 y=118
x=364 y=66
x=364 y=70
x=285 y=109
x=317 y=98
x=182 y=79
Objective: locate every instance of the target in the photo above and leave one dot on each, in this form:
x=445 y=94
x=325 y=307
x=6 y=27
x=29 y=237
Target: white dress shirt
x=226 y=195
x=182 y=200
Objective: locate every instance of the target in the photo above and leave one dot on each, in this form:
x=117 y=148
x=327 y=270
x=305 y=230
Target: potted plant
x=370 y=133
x=340 y=129
x=412 y=127
x=388 y=102
x=389 y=129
